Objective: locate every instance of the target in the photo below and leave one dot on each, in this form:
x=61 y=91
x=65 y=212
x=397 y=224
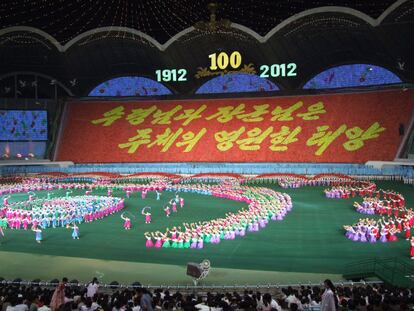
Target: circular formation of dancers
x=263 y=205
x=396 y=220
x=40 y=214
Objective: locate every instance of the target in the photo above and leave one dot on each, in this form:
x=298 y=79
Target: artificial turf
x=310 y=239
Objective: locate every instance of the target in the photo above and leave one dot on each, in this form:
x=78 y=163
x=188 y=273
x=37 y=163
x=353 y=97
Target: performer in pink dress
x=6 y=201
x=147 y=218
x=149 y=242
x=158 y=239
x=127 y=222
x=407 y=230
x=167 y=211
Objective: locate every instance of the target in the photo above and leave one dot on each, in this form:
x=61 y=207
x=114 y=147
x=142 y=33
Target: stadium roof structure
x=92 y=41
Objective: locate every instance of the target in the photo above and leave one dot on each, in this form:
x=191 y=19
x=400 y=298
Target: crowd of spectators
x=92 y=297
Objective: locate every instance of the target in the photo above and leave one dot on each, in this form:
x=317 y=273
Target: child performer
x=75 y=232
x=149 y=242
x=147 y=217
x=158 y=195
x=167 y=211
x=38 y=235
x=127 y=222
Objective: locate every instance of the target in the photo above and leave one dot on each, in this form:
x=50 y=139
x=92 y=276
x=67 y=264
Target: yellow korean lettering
x=143 y=137
x=254 y=138
x=323 y=137
x=166 y=139
x=190 y=114
x=190 y=139
x=110 y=117
x=358 y=136
x=226 y=139
x=281 y=140
x=313 y=112
x=256 y=115
x=280 y=114
x=161 y=117
x=227 y=113
x=137 y=116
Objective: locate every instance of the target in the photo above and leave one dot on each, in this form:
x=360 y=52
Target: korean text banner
x=323 y=128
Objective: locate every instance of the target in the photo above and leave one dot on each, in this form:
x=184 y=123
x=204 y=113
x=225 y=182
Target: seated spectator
x=20 y=304
x=270 y=304
x=33 y=302
x=43 y=304
x=291 y=298
x=11 y=303
x=145 y=299
x=315 y=301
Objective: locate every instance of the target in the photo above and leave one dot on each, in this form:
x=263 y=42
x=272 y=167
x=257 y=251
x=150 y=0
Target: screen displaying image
x=23 y=125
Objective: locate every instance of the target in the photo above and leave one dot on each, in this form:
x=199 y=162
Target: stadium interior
x=206 y=155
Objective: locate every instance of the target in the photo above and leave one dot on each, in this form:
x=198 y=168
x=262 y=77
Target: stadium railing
x=116 y=285
x=240 y=168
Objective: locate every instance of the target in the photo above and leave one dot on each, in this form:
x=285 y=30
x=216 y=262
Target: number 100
x=222 y=60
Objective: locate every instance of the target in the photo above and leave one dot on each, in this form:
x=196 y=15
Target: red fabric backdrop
x=322 y=128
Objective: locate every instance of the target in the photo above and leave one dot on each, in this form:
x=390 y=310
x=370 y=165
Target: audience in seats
x=302 y=298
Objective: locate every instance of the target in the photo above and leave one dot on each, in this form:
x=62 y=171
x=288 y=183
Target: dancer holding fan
x=75 y=232
x=127 y=222
x=146 y=211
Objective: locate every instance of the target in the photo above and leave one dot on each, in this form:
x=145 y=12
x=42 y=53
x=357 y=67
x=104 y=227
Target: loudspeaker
x=194 y=269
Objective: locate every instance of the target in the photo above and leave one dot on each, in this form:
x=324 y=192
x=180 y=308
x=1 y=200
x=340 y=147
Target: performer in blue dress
x=38 y=236
x=75 y=232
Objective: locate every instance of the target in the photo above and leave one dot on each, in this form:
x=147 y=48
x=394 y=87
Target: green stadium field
x=307 y=246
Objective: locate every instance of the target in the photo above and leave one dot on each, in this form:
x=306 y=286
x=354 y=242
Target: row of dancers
x=264 y=205
x=375 y=206
x=60 y=212
x=383 y=230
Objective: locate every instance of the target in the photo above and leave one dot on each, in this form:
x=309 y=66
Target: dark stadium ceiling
x=161 y=19
x=92 y=41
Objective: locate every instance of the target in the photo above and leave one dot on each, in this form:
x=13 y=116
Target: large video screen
x=23 y=125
